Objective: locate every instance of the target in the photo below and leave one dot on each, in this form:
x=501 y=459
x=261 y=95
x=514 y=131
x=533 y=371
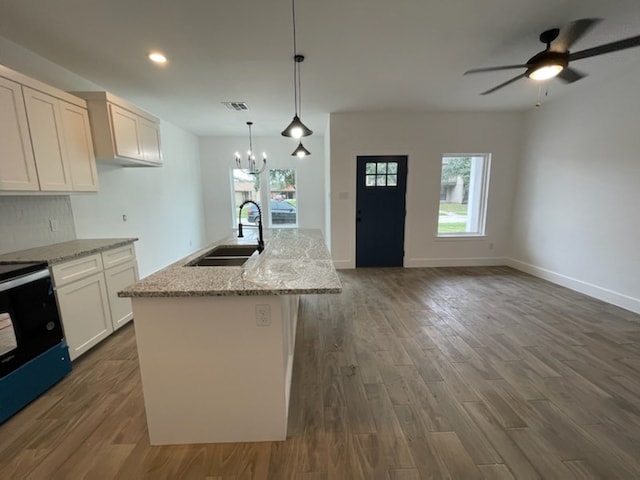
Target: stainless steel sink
x=232 y=251
x=225 y=256
x=220 y=262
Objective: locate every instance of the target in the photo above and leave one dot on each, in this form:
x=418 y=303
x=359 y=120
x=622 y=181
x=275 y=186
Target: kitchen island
x=216 y=344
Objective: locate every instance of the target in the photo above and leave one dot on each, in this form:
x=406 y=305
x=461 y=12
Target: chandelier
x=250 y=165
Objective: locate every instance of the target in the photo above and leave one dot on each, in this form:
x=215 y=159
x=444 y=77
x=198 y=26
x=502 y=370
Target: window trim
x=483 y=196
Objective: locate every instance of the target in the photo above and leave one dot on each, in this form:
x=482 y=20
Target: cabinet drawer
x=73 y=270
x=118 y=256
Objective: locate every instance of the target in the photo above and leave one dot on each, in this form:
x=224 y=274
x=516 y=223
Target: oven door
x=29 y=319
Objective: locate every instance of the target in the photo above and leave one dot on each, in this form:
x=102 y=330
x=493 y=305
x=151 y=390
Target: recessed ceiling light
x=157 y=57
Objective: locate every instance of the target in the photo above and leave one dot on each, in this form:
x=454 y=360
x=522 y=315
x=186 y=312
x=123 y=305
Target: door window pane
x=463 y=195
x=381 y=174
x=283 y=199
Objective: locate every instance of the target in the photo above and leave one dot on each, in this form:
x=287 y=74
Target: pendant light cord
x=299 y=109
x=296 y=77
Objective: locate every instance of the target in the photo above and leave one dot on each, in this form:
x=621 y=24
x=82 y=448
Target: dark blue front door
x=380 y=211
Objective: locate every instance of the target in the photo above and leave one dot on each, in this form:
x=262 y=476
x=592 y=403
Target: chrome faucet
x=240 y=225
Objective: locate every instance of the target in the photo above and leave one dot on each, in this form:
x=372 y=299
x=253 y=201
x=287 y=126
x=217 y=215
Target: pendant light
x=251 y=167
x=300 y=152
x=296 y=128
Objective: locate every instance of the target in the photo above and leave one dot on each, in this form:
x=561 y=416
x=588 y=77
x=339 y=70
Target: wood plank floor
x=462 y=373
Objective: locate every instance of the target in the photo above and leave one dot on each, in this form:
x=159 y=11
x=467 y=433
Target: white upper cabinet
x=122 y=132
x=17 y=166
x=79 y=146
x=126 y=134
x=150 y=141
x=45 y=139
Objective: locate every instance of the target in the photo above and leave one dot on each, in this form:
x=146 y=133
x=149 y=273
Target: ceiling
x=361 y=55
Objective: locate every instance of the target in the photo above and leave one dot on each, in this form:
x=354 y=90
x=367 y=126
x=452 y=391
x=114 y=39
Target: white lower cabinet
x=84 y=308
x=87 y=292
x=119 y=278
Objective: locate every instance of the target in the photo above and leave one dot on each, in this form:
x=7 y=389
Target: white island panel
x=210 y=373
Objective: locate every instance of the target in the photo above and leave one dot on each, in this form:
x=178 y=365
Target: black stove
x=13 y=270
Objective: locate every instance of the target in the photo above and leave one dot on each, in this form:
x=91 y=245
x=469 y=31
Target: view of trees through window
x=463 y=191
x=245 y=187
x=282 y=209
x=283 y=200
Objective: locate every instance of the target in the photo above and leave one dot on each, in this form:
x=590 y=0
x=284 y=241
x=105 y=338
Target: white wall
x=575 y=218
x=424 y=138
x=163 y=206
x=217 y=160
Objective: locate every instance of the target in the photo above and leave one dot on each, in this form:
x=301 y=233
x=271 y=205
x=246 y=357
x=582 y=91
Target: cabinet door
x=150 y=141
x=45 y=125
x=125 y=133
x=84 y=309
x=17 y=168
x=119 y=278
x=79 y=147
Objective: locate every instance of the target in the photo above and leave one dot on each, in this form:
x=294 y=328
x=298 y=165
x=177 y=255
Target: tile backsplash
x=25 y=221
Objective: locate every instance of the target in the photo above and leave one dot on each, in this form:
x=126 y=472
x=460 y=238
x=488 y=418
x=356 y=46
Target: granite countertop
x=61 y=252
x=294 y=261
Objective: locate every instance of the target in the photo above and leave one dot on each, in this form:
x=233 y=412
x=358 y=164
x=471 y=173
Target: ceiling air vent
x=237 y=106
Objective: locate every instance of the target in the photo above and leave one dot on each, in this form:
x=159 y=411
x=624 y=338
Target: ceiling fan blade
x=503 y=84
x=572 y=33
x=606 y=48
x=570 y=75
x=495 y=69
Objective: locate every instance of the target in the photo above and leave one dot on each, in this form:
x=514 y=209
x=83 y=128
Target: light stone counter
x=61 y=252
x=294 y=261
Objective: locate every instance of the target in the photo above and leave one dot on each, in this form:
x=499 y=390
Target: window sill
x=279 y=225
x=461 y=236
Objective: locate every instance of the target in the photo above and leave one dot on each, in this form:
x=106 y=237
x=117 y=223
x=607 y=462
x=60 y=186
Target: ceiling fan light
x=296 y=129
x=546 y=72
x=300 y=151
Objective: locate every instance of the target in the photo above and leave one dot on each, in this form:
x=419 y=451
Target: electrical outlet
x=53 y=225
x=263 y=315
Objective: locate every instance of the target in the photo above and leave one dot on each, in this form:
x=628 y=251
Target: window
x=283 y=200
x=245 y=187
x=381 y=174
x=282 y=195
x=463 y=194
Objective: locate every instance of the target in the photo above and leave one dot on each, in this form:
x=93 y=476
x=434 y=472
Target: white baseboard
x=624 y=301
x=343 y=264
x=454 y=262
x=436 y=262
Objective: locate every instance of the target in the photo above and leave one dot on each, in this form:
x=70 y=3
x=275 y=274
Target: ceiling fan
x=555 y=59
